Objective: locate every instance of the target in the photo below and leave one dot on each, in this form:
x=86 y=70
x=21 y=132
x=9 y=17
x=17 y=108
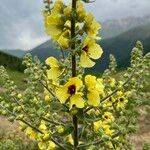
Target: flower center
x=106 y=117
x=72 y=89
x=110 y=99
x=121 y=99
x=86 y=48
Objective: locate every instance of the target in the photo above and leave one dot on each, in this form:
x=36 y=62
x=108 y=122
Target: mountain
x=112 y=28
x=121 y=46
x=14 y=52
x=44 y=50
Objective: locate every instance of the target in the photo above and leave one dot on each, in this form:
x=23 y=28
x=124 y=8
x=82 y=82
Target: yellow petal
x=54 y=32
x=93 y=98
x=52 y=62
x=31 y=133
x=100 y=86
x=90 y=81
x=76 y=100
x=85 y=61
x=97 y=125
x=89 y=19
x=62 y=94
x=67 y=11
x=42 y=127
x=80 y=11
x=42 y=145
x=108 y=117
x=70 y=139
x=47 y=98
x=58 y=7
x=51 y=145
x=75 y=81
x=54 y=73
x=95 y=51
x=88 y=41
x=63 y=42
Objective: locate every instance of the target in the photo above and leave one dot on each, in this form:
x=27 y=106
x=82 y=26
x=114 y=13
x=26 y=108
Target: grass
x=17 y=77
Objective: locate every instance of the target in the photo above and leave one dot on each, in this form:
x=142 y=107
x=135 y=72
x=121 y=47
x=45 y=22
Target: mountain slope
x=122 y=45
x=44 y=50
x=11 y=62
x=113 y=28
x=14 y=52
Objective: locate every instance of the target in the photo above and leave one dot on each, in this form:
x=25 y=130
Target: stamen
x=72 y=89
x=86 y=48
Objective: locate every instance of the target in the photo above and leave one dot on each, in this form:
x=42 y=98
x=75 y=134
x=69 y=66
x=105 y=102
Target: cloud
x=21 y=22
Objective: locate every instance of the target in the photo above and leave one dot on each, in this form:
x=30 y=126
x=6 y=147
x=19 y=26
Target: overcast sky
x=21 y=21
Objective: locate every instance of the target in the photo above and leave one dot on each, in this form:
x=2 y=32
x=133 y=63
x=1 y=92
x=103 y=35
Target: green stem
x=73 y=46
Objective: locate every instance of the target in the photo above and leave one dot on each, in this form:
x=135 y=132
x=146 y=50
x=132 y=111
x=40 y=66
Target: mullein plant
x=75 y=110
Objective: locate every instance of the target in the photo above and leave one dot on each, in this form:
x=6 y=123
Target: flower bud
x=60 y=129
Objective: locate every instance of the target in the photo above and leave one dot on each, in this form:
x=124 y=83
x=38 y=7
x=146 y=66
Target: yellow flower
x=42 y=126
x=90 y=81
x=100 y=86
x=54 y=25
x=90 y=50
x=51 y=145
x=93 y=98
x=112 y=82
x=107 y=130
x=70 y=139
x=46 y=137
x=121 y=102
x=101 y=125
x=31 y=133
x=120 y=93
x=108 y=117
x=80 y=11
x=71 y=91
x=121 y=99
x=55 y=71
x=60 y=129
x=109 y=102
x=97 y=125
x=67 y=11
x=63 y=39
x=58 y=7
x=47 y=98
x=94 y=90
x=42 y=145
x=92 y=26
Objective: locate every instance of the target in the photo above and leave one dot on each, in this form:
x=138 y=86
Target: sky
x=21 y=21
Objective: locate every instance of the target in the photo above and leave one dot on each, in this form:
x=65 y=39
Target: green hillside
x=14 y=52
x=11 y=62
x=44 y=50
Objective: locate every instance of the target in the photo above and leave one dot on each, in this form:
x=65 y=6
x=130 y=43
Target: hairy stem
x=73 y=46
